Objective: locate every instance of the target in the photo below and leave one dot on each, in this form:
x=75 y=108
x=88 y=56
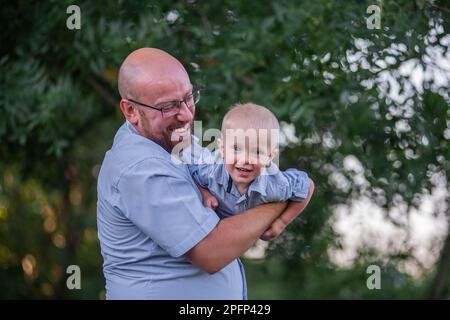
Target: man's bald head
x=144 y=66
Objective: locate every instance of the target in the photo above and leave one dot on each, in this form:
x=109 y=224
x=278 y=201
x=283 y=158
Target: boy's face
x=245 y=157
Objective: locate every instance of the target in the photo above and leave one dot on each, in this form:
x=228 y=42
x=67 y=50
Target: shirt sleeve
x=200 y=162
x=201 y=173
x=164 y=204
x=297 y=184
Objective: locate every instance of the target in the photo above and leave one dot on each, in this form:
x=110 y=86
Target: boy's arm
x=209 y=200
x=292 y=211
x=200 y=164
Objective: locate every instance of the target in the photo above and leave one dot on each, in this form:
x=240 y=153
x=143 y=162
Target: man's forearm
x=233 y=236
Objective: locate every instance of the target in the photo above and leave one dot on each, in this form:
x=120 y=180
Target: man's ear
x=129 y=111
x=220 y=145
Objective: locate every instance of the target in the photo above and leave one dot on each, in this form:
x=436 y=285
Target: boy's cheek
x=229 y=168
x=229 y=158
x=259 y=165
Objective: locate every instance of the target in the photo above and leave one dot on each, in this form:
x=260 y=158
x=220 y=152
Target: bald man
x=157 y=240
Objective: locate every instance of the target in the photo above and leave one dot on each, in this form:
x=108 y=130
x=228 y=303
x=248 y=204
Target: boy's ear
x=220 y=145
x=273 y=154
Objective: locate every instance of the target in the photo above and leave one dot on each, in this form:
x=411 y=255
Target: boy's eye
x=259 y=152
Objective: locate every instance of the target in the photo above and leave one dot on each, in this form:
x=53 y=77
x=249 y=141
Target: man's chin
x=177 y=138
x=179 y=142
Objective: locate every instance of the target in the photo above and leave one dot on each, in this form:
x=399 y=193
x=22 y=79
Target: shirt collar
x=259 y=185
x=131 y=128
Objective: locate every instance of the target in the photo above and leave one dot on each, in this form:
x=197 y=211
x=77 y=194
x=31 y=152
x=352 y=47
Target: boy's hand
x=274 y=230
x=209 y=201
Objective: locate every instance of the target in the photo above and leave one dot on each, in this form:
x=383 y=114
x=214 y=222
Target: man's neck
x=160 y=142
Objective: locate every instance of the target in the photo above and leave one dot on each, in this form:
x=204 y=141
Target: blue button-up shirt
x=149 y=214
x=273 y=185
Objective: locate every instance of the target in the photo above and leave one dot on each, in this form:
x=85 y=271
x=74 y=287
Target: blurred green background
x=380 y=96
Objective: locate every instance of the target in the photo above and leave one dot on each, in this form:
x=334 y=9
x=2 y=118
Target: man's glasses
x=172 y=108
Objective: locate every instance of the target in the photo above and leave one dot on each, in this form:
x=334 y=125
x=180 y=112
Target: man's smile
x=181 y=130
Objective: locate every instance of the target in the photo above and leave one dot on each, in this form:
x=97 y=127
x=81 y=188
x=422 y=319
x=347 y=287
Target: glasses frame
x=195 y=91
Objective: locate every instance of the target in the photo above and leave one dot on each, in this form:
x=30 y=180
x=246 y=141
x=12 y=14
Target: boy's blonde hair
x=249 y=116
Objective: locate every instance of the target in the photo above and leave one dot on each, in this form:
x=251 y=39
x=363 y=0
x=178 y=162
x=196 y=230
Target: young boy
x=242 y=174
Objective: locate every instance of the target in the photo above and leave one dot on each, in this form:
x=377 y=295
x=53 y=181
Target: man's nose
x=185 y=115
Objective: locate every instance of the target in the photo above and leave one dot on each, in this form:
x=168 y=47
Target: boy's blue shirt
x=273 y=185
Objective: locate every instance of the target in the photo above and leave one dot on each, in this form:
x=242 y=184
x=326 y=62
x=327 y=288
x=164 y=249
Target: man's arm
x=233 y=236
x=292 y=211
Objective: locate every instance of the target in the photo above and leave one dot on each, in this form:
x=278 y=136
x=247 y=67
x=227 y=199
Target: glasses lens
x=196 y=96
x=189 y=99
x=170 y=109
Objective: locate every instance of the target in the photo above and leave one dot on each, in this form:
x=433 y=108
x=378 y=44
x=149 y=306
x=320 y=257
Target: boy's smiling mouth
x=243 y=172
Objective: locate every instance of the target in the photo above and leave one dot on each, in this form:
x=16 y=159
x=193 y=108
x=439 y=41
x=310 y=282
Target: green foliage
x=315 y=64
